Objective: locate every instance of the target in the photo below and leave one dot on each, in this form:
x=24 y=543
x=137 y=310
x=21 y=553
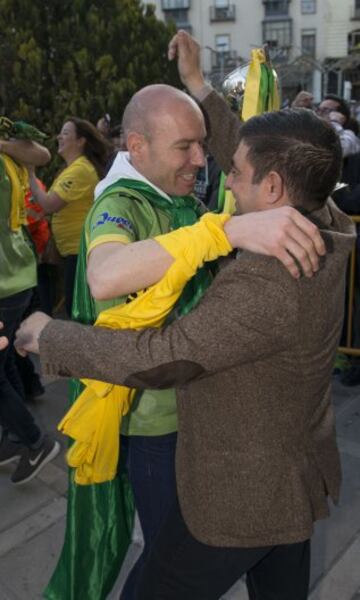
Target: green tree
x=78 y=57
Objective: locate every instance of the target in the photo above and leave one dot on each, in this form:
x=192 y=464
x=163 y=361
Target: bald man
x=147 y=192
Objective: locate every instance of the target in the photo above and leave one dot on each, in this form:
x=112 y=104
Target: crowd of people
x=256 y=455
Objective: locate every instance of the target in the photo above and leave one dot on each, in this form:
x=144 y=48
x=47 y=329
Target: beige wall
x=332 y=23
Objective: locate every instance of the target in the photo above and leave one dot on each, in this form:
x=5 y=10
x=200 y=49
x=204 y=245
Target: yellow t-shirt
x=75 y=185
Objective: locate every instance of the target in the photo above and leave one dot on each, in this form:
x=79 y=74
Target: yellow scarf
x=94 y=419
x=19 y=179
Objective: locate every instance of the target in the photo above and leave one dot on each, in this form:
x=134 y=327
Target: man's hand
x=187 y=51
x=3 y=340
x=337 y=117
x=280 y=232
x=28 y=334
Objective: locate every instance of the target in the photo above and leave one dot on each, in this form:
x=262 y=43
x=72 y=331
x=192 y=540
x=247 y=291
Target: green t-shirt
x=17 y=258
x=123 y=219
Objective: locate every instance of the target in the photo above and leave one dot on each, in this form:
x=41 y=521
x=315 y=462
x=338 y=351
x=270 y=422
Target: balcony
x=175 y=4
x=224 y=60
x=278 y=34
x=179 y=18
x=222 y=13
x=276 y=9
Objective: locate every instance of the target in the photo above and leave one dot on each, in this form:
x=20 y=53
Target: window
x=221 y=3
x=354 y=40
x=308 y=7
x=277 y=33
x=357 y=9
x=175 y=4
x=178 y=16
x=222 y=43
x=276 y=8
x=308 y=42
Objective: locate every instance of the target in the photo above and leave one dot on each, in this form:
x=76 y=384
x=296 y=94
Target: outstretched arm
x=282 y=232
x=229 y=317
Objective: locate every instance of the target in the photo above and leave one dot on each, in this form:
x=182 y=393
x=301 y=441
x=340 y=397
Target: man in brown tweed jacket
x=256 y=454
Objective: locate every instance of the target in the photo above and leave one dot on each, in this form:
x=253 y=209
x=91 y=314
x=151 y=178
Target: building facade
x=314 y=44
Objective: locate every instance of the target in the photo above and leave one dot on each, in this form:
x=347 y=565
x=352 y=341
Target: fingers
x=173 y=47
x=283 y=233
x=20 y=351
x=3 y=340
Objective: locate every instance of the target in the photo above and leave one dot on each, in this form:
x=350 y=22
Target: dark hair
x=97 y=148
x=343 y=107
x=116 y=131
x=301 y=147
x=353 y=125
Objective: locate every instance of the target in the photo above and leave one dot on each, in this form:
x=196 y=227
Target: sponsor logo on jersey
x=105 y=218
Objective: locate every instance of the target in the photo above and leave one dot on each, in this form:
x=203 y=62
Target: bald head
x=150 y=105
x=165 y=131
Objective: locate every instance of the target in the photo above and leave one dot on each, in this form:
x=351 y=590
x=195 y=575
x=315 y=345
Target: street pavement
x=33 y=515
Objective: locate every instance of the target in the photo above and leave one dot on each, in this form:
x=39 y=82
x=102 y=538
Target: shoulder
x=81 y=167
x=258 y=278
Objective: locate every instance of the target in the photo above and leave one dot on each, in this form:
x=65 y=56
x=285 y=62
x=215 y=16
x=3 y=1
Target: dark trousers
x=14 y=415
x=70 y=263
x=150 y=462
x=180 y=567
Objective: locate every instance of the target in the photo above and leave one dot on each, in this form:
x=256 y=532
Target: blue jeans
x=150 y=462
x=14 y=416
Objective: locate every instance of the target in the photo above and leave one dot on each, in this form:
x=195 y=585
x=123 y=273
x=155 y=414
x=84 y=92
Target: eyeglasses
x=325 y=110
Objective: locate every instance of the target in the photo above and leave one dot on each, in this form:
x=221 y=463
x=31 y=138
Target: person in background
x=335 y=110
x=85 y=152
x=303 y=100
x=104 y=126
x=39 y=230
x=22 y=440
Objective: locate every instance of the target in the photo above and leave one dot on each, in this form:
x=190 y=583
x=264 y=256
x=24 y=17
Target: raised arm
x=221 y=123
x=26 y=151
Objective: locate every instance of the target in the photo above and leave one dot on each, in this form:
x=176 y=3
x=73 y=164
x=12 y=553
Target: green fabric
x=17 y=257
x=115 y=215
x=100 y=517
x=20 y=130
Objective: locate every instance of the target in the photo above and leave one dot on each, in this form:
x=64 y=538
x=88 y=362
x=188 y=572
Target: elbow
x=43 y=156
x=98 y=286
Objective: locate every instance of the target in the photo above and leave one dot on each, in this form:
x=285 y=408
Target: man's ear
x=274 y=187
x=135 y=143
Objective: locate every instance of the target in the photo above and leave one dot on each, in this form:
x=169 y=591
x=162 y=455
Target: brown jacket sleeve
x=223 y=129
x=245 y=315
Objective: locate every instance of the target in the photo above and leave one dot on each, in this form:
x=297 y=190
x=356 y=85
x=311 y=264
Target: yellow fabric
x=252 y=104
x=252 y=87
x=105 y=239
x=19 y=179
x=229 y=203
x=75 y=185
x=94 y=419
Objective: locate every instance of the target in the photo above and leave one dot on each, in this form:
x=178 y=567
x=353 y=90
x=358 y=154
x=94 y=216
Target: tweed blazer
x=256 y=457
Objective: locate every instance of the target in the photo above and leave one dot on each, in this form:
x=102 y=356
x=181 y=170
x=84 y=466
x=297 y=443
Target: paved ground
x=32 y=523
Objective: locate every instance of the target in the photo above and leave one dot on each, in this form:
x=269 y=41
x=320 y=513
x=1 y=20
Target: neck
x=71 y=157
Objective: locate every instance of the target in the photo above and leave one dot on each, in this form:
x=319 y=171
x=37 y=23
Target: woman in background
x=85 y=152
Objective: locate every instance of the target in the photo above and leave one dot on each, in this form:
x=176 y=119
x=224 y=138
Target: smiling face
x=69 y=144
x=249 y=196
x=172 y=152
